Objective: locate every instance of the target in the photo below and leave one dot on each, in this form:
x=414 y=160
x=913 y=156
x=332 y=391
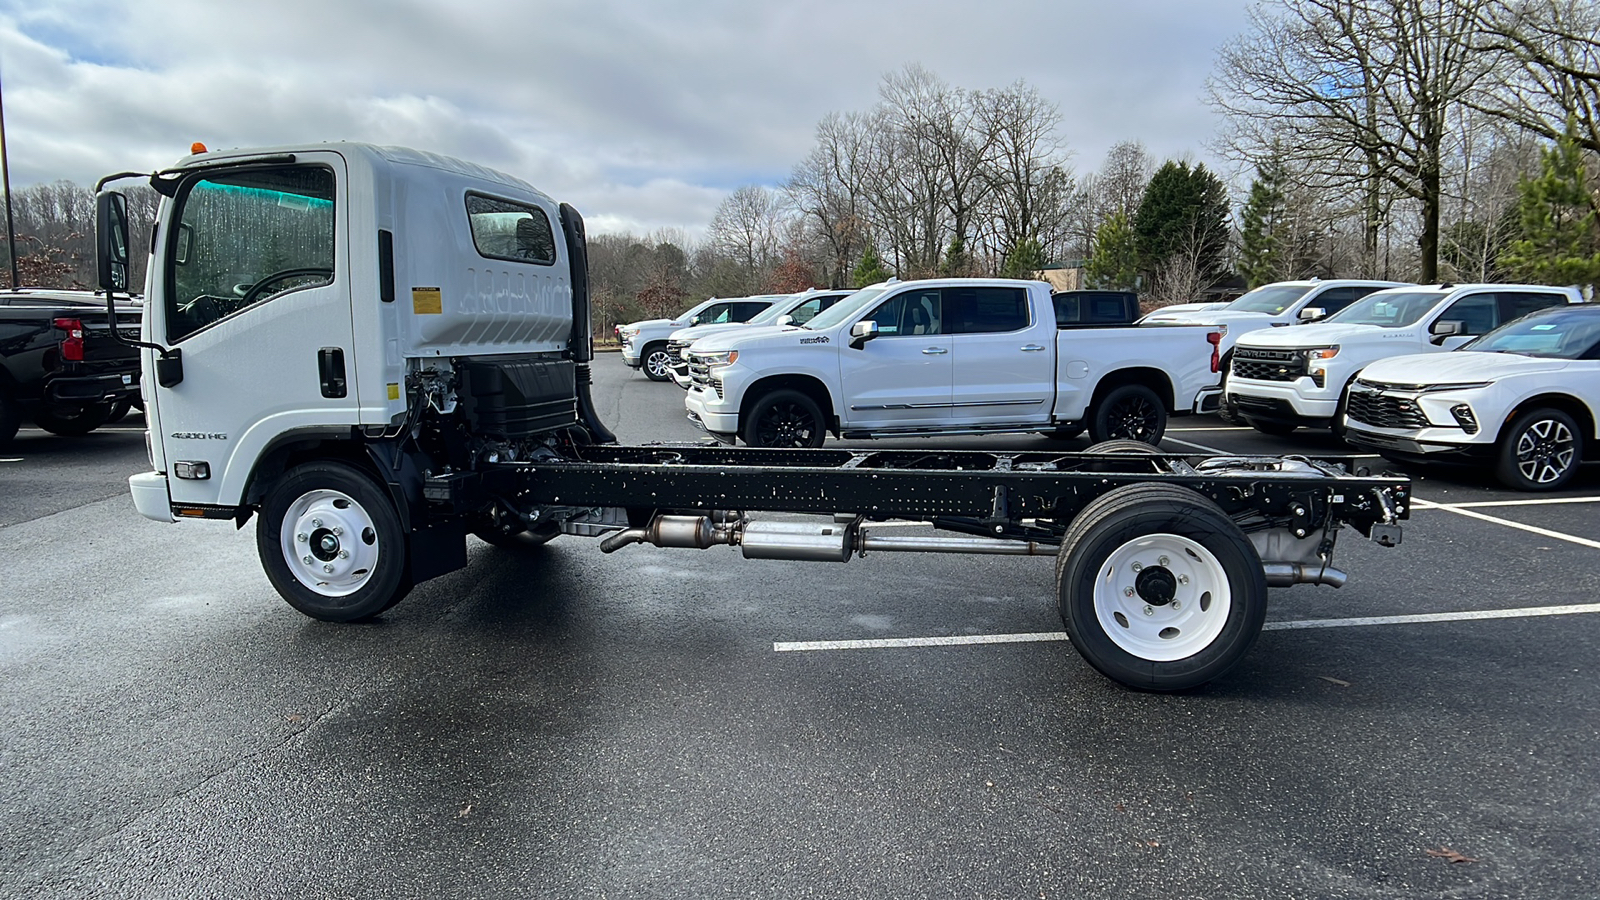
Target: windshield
x=844 y=309
x=1272 y=299
x=1563 y=335
x=1391 y=309
x=770 y=314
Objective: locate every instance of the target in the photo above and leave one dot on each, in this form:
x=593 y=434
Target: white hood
x=1317 y=334
x=696 y=332
x=1459 y=367
x=1183 y=311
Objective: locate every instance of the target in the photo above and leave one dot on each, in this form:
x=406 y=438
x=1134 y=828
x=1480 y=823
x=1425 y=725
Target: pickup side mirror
x=1313 y=313
x=861 y=332
x=111 y=240
x=693 y=321
x=785 y=319
x=1444 y=328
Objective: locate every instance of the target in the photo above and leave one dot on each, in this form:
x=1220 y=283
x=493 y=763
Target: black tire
x=1539 y=451
x=358 y=518
x=1144 y=640
x=1131 y=411
x=1224 y=409
x=656 y=362
x=785 y=419
x=1274 y=428
x=10 y=419
x=119 y=409
x=1064 y=434
x=72 y=421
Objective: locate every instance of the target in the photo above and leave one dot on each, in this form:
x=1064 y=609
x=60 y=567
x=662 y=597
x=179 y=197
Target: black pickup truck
x=59 y=364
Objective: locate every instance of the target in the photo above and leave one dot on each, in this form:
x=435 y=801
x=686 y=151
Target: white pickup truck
x=800 y=308
x=1287 y=377
x=950 y=356
x=644 y=343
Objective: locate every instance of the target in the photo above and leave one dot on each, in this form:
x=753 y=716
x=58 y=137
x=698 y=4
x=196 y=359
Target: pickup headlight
x=1315 y=353
x=717 y=360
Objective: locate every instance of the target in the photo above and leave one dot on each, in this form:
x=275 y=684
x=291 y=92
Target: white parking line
x=18 y=459
x=1534 y=529
x=1551 y=501
x=1471 y=615
x=1196 y=446
x=1218 y=428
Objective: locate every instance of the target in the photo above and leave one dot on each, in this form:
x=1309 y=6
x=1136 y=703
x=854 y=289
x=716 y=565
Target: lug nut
x=1149 y=611
x=302 y=537
x=1183 y=579
x=1127 y=592
x=1138 y=566
x=344 y=554
x=338 y=530
x=327 y=567
x=1176 y=606
x=309 y=561
x=1163 y=560
x=316 y=523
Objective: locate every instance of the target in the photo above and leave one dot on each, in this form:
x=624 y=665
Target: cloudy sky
x=644 y=115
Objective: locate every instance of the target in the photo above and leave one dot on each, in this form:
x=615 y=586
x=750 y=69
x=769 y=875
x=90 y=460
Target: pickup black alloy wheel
x=73 y=421
x=657 y=363
x=1540 y=451
x=10 y=418
x=1132 y=411
x=331 y=543
x=1158 y=589
x=785 y=419
x=119 y=410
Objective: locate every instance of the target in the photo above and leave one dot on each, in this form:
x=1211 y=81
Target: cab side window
x=511 y=231
x=744 y=312
x=910 y=313
x=1334 y=299
x=1478 y=313
x=1516 y=304
x=715 y=314
x=985 y=310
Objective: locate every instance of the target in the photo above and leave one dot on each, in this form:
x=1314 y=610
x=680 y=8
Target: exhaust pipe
x=1286 y=574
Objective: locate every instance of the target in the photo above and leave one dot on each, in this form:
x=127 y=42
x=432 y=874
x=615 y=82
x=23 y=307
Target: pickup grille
x=1268 y=365
x=1366 y=404
x=700 y=373
x=678 y=349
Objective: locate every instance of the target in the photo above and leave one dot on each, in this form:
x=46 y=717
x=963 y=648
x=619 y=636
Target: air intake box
x=518 y=396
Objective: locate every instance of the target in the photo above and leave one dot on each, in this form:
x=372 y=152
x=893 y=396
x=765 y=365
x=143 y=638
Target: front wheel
x=1158 y=589
x=1540 y=451
x=330 y=541
x=785 y=419
x=1131 y=411
x=73 y=421
x=657 y=362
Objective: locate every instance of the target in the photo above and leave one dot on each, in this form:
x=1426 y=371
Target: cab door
x=1005 y=364
x=903 y=377
x=253 y=291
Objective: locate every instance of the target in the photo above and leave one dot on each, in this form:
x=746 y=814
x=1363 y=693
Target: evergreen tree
x=870 y=270
x=1560 y=229
x=1261 y=251
x=957 y=262
x=1024 y=260
x=1185 y=211
x=1114 y=265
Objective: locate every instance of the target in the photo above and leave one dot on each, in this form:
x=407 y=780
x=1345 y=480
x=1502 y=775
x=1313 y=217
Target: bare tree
x=746 y=230
x=1550 y=76
x=1029 y=184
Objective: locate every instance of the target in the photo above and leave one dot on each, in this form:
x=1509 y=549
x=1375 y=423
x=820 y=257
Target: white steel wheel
x=1162 y=597
x=1158 y=589
x=330 y=541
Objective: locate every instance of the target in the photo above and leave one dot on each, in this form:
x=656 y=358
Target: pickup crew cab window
x=1334 y=299
x=1516 y=304
x=511 y=231
x=913 y=312
x=985 y=310
x=808 y=310
x=1478 y=313
x=244 y=238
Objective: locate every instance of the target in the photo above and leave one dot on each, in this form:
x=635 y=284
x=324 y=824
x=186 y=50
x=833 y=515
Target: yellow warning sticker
x=394 y=391
x=427 y=301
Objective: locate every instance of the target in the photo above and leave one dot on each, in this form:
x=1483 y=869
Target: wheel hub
x=1156 y=585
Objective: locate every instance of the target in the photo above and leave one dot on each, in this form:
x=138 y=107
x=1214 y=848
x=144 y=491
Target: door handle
x=330 y=366
x=935 y=351
x=1032 y=348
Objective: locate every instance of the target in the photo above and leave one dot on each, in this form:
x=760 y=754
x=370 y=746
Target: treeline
x=1415 y=140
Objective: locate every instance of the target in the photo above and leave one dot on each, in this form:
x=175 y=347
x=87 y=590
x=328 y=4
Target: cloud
x=644 y=114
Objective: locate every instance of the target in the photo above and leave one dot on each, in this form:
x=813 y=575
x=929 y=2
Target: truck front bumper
x=710 y=413
x=1281 y=402
x=150 y=496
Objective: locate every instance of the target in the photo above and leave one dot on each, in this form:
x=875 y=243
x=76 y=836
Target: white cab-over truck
x=376 y=352
x=948 y=356
x=1288 y=377
x=644 y=343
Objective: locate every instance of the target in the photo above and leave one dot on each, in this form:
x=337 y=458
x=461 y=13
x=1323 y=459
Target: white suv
x=644 y=343
x=1524 y=398
x=1282 y=378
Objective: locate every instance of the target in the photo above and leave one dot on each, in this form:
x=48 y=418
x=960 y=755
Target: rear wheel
x=330 y=541
x=1540 y=451
x=72 y=421
x=1131 y=411
x=1158 y=589
x=656 y=362
x=785 y=419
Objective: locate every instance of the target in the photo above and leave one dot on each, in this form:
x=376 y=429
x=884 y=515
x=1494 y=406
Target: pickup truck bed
x=60 y=366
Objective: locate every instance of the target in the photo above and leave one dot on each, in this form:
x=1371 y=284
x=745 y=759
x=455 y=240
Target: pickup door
x=951 y=356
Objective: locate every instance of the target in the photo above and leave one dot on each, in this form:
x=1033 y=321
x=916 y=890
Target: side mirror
x=861 y=332
x=1313 y=313
x=785 y=319
x=693 y=321
x=1444 y=328
x=111 y=241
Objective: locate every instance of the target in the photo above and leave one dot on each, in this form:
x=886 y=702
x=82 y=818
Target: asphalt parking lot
x=563 y=723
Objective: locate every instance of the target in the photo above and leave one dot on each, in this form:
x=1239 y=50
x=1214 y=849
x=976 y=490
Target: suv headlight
x=1453 y=386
